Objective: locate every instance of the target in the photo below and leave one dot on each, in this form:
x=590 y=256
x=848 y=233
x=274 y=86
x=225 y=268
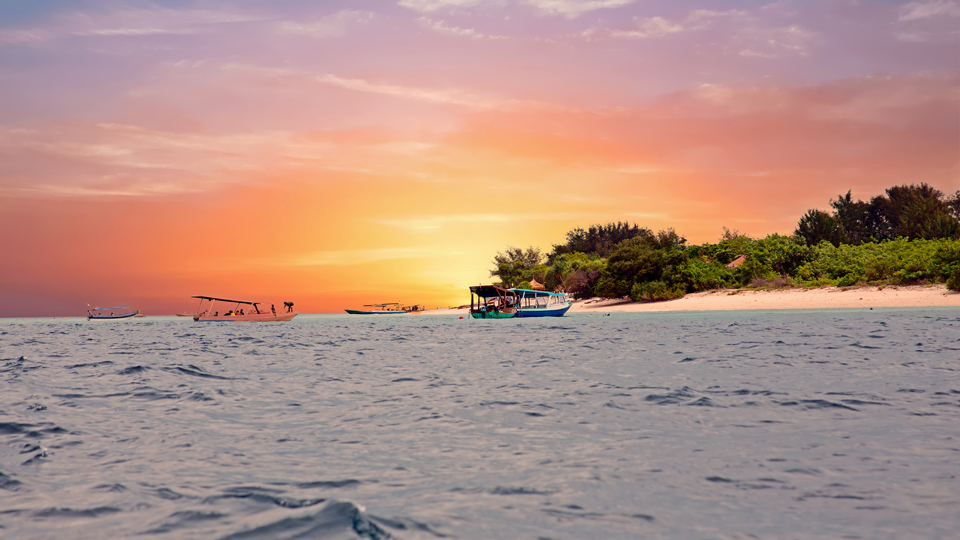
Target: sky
x=342 y=153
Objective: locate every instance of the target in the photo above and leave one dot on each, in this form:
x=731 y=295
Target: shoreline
x=889 y=296
x=821 y=298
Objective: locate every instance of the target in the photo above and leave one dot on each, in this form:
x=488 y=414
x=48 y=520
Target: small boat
x=239 y=314
x=100 y=313
x=494 y=302
x=388 y=308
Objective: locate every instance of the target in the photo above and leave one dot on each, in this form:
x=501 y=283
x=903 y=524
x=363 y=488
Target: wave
x=338 y=519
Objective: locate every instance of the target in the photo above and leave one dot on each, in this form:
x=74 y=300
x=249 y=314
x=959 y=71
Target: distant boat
x=100 y=313
x=389 y=308
x=494 y=302
x=239 y=314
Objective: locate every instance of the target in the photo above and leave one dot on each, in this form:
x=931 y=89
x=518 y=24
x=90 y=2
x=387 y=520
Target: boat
x=239 y=314
x=492 y=302
x=388 y=308
x=100 y=313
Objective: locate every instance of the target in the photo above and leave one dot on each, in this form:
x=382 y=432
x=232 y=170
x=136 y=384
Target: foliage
x=598 y=240
x=895 y=261
x=914 y=212
x=576 y=273
x=953 y=282
x=818 y=226
x=516 y=265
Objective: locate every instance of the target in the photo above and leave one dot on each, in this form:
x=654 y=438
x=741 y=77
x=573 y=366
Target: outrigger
x=238 y=314
x=494 y=302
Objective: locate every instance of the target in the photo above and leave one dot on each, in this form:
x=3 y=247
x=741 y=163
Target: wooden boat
x=492 y=302
x=388 y=308
x=100 y=313
x=239 y=314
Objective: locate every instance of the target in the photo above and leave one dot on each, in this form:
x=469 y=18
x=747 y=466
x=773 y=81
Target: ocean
x=710 y=425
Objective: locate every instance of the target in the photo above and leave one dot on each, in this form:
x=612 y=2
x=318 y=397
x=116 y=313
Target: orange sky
x=362 y=153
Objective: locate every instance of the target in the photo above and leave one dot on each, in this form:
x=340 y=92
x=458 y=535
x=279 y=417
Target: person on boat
x=273 y=309
x=216 y=313
x=241 y=311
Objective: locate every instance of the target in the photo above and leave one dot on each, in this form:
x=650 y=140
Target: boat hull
x=117 y=317
x=249 y=317
x=551 y=311
x=362 y=312
x=492 y=314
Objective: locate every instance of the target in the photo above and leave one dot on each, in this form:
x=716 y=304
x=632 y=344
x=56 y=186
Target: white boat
x=101 y=313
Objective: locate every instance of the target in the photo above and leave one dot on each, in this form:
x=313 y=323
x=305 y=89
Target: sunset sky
x=341 y=153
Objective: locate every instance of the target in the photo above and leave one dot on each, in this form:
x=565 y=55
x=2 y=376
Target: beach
x=906 y=296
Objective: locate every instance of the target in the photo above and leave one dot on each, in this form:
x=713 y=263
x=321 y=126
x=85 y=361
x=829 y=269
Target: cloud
x=649 y=27
x=441 y=27
x=124 y=23
x=566 y=8
x=449 y=96
x=926 y=10
x=654 y=27
x=574 y=8
x=356 y=257
x=331 y=26
x=426 y=224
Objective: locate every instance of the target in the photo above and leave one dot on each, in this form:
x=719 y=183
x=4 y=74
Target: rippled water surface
x=841 y=424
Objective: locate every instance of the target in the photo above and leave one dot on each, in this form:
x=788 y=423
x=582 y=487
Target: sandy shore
x=825 y=298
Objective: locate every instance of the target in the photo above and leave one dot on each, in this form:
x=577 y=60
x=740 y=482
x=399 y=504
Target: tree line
x=909 y=234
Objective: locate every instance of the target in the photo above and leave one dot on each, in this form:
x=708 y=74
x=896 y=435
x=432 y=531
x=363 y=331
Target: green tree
x=853 y=218
x=516 y=265
x=914 y=211
x=576 y=273
x=816 y=226
x=598 y=239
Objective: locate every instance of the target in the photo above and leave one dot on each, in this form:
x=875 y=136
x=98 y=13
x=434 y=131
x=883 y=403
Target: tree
x=576 y=273
x=913 y=212
x=515 y=265
x=598 y=240
x=816 y=226
x=852 y=216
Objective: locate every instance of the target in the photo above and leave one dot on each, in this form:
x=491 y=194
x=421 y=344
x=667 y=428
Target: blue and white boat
x=532 y=303
x=494 y=302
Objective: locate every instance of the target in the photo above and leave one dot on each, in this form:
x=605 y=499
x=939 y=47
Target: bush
x=953 y=282
x=655 y=291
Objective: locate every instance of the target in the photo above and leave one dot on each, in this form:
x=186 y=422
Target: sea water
x=800 y=425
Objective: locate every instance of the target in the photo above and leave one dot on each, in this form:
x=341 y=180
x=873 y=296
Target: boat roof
x=532 y=293
x=381 y=305
x=211 y=298
x=489 y=291
x=115 y=307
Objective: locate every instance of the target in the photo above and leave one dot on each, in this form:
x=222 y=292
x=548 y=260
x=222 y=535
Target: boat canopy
x=491 y=291
x=528 y=293
x=211 y=298
x=115 y=307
